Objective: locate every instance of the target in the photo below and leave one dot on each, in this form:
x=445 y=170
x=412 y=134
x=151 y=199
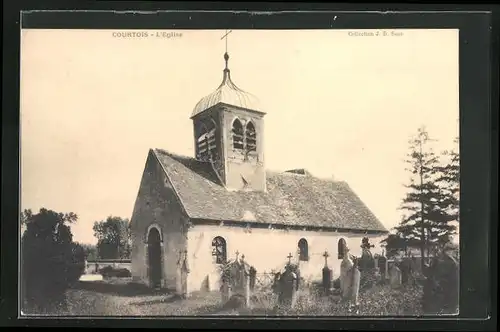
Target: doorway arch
x=155 y=270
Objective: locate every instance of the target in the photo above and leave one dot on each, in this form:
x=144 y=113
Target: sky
x=341 y=104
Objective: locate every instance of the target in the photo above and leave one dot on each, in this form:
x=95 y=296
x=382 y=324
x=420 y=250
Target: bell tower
x=229 y=134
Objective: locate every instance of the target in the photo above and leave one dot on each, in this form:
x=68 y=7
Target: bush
x=111 y=272
x=51 y=261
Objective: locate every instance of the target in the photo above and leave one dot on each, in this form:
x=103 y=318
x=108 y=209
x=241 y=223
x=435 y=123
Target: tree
x=395 y=243
x=426 y=221
x=113 y=238
x=90 y=251
x=449 y=182
x=51 y=261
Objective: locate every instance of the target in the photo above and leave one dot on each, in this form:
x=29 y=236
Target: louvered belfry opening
x=237 y=131
x=207 y=141
x=251 y=137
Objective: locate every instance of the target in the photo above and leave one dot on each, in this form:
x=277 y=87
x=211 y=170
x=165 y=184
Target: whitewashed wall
x=266 y=250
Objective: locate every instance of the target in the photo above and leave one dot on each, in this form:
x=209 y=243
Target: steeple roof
x=227 y=93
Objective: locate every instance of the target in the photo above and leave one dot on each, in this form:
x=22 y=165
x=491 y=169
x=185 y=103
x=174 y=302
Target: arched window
x=342 y=248
x=303 y=250
x=219 y=250
x=251 y=137
x=237 y=135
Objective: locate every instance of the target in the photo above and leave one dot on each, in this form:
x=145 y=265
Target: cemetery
x=369 y=285
x=365 y=283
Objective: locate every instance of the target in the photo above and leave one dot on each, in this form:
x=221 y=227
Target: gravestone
x=395 y=276
x=441 y=288
x=327 y=275
x=353 y=293
x=287 y=297
x=253 y=276
x=367 y=265
x=345 y=280
x=287 y=285
x=225 y=288
x=376 y=258
x=382 y=267
x=235 y=279
x=406 y=271
x=276 y=283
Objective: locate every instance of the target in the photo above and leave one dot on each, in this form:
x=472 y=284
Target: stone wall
x=90 y=268
x=157 y=206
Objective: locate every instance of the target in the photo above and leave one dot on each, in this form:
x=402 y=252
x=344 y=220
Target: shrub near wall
x=110 y=272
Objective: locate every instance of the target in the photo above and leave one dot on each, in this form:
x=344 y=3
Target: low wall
x=92 y=266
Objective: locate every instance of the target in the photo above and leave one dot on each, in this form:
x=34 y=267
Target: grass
x=120 y=297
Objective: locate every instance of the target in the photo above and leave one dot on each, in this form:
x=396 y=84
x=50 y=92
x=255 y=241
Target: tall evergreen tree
x=449 y=182
x=425 y=222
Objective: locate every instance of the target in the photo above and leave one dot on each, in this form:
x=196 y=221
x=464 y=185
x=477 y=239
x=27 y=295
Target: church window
x=251 y=137
x=342 y=248
x=219 y=250
x=303 y=250
x=237 y=135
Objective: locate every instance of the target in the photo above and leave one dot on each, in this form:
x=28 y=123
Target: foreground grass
x=121 y=298
x=379 y=300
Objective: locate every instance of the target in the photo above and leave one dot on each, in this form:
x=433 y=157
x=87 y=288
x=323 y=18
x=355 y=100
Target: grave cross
x=237 y=254
x=326 y=255
x=289 y=258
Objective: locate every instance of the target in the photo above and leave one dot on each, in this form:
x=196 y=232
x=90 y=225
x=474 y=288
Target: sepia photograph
x=239 y=173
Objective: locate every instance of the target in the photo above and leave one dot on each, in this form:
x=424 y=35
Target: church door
x=154 y=258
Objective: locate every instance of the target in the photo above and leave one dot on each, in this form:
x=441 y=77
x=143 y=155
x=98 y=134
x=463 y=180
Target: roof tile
x=290 y=199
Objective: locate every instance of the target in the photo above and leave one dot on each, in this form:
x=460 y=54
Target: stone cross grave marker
x=367 y=264
x=236 y=281
x=327 y=275
x=326 y=255
x=288 y=285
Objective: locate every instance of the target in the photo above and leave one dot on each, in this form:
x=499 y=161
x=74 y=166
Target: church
x=196 y=213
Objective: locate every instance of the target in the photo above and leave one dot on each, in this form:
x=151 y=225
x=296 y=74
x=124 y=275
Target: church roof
x=227 y=93
x=290 y=199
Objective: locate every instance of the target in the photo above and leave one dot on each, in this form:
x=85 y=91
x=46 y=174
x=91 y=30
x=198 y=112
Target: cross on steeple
x=226 y=55
x=225 y=36
x=289 y=258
